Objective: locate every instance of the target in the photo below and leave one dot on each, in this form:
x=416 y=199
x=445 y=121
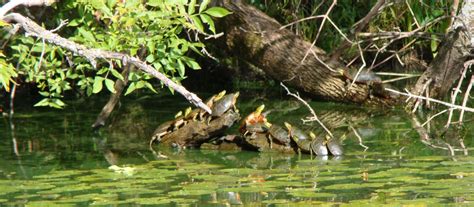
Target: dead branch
x=314 y=117
x=359 y=26
x=92 y=55
x=410 y=95
x=14 y=3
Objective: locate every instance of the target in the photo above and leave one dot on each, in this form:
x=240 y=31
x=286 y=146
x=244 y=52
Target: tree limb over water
x=92 y=55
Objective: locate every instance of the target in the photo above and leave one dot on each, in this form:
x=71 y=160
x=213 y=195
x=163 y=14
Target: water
x=53 y=158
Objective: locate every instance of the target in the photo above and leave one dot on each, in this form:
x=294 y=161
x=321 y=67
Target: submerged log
x=257 y=38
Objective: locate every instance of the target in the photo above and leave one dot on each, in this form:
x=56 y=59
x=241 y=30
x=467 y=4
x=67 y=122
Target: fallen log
x=259 y=39
x=196 y=132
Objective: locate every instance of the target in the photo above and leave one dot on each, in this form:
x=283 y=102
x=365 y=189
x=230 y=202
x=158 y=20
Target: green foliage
x=7 y=73
x=157 y=31
x=345 y=14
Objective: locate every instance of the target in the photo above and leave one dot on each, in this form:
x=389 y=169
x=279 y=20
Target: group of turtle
x=255 y=129
x=219 y=104
x=289 y=136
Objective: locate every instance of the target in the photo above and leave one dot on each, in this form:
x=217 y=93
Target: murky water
x=53 y=158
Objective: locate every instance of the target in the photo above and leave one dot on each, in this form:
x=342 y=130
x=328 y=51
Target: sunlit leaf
x=217 y=12
x=110 y=84
x=97 y=87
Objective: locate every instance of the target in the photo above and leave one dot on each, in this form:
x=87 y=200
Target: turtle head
x=187 y=111
x=178 y=114
x=267 y=124
x=312 y=135
x=236 y=95
x=288 y=126
x=259 y=110
x=219 y=95
x=340 y=71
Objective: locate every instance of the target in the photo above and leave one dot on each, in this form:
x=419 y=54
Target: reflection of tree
x=433 y=136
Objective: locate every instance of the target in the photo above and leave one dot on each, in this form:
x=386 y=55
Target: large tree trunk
x=447 y=66
x=252 y=35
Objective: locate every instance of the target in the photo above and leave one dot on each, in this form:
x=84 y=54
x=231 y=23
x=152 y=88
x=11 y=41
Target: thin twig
x=313 y=113
x=408 y=94
x=359 y=137
x=466 y=97
x=457 y=90
x=320 y=29
x=432 y=117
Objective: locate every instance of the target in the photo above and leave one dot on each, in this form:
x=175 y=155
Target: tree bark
x=448 y=65
x=257 y=38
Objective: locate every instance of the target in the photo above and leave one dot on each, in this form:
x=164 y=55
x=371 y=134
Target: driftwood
x=258 y=39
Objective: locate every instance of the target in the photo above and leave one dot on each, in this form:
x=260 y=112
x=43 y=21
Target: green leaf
x=130 y=88
x=3 y=23
x=116 y=74
x=43 y=102
x=110 y=84
x=217 y=12
x=87 y=35
x=97 y=87
x=197 y=22
x=149 y=86
x=192 y=7
x=208 y=20
x=193 y=64
x=203 y=5
x=181 y=68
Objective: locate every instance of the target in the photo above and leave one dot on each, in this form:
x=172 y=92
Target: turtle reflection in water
x=313 y=144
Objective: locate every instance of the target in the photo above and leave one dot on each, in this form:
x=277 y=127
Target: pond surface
x=52 y=157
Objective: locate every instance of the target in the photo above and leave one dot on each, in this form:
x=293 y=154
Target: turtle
x=280 y=134
x=162 y=130
x=318 y=145
x=333 y=146
x=301 y=139
x=253 y=118
x=364 y=77
x=222 y=105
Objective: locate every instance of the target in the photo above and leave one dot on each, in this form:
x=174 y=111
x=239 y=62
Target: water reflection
x=54 y=158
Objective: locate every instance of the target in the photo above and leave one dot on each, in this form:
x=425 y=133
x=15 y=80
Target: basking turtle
x=364 y=77
x=162 y=130
x=221 y=106
x=301 y=139
x=253 y=118
x=280 y=134
x=333 y=146
x=318 y=145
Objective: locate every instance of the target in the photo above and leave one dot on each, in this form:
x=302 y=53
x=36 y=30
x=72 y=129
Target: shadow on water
x=54 y=158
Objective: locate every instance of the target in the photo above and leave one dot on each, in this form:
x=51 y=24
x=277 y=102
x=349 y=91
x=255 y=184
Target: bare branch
x=468 y=109
x=14 y=3
x=92 y=55
x=314 y=116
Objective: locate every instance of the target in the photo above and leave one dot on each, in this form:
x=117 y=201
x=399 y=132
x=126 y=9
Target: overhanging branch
x=91 y=54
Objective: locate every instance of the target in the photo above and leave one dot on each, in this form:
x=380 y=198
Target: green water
x=53 y=158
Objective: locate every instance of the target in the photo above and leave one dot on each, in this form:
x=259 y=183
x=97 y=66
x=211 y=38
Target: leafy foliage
x=400 y=16
x=158 y=31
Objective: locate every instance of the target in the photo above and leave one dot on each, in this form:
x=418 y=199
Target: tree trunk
x=448 y=65
x=257 y=38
